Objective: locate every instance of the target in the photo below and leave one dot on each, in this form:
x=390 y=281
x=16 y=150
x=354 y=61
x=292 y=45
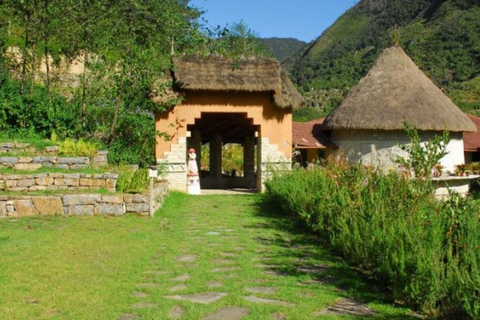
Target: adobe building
x=310 y=142
x=369 y=123
x=245 y=101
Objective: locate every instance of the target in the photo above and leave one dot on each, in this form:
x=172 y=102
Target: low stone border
x=67 y=163
x=24 y=147
x=57 y=181
x=82 y=204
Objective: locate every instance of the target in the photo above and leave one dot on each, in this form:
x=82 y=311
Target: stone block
x=73 y=160
x=71 y=175
x=98 y=183
x=25 y=182
x=78 y=167
x=62 y=166
x=111 y=183
x=20 y=145
x=85 y=182
x=37 y=188
x=81 y=199
x=43 y=159
x=24 y=208
x=137 y=207
x=128 y=198
x=52 y=188
x=67 y=182
x=102 y=152
x=51 y=149
x=9 y=160
x=48 y=206
x=25 y=159
x=110 y=208
x=117 y=199
x=27 y=166
x=7 y=145
x=18 y=189
x=44 y=181
x=3 y=208
x=40 y=175
x=11 y=183
x=87 y=210
x=140 y=198
x=109 y=175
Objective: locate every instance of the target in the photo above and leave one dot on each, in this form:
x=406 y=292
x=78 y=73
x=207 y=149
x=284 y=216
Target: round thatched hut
x=369 y=123
x=244 y=101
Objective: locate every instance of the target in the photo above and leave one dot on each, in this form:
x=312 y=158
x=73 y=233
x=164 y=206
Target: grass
x=89 y=267
x=8 y=170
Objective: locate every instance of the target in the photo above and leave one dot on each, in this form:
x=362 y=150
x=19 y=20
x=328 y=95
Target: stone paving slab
x=269 y=301
x=140 y=294
x=179 y=287
x=202 y=298
x=263 y=290
x=176 y=312
x=182 y=278
x=230 y=313
x=187 y=258
x=346 y=306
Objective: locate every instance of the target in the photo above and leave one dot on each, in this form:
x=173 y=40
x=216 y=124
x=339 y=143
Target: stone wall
x=57 y=181
x=378 y=148
x=32 y=163
x=82 y=204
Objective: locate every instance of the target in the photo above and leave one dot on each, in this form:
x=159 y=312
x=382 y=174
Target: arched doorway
x=230 y=141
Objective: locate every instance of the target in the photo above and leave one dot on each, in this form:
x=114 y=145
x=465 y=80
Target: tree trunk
x=24 y=55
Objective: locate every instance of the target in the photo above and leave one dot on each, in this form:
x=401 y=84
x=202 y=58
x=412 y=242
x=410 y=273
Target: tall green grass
x=426 y=251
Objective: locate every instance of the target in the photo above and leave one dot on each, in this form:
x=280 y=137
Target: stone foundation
x=83 y=204
x=57 y=181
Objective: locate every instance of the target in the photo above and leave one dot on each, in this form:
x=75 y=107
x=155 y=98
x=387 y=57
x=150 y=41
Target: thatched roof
x=222 y=74
x=395 y=91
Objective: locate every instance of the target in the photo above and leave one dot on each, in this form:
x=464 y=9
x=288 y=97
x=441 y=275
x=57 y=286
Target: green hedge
x=427 y=251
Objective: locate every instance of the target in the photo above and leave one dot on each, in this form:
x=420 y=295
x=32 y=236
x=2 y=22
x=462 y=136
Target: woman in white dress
x=193 y=178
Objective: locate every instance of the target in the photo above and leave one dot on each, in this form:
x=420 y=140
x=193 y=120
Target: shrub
x=131 y=181
x=392 y=227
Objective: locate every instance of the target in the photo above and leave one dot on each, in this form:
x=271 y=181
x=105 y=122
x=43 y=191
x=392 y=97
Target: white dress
x=193 y=178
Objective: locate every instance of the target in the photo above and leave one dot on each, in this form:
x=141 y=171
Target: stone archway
x=217 y=130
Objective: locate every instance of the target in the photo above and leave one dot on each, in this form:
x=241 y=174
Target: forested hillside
x=88 y=68
x=282 y=48
x=441 y=36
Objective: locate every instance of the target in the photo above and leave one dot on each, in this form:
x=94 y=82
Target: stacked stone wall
x=57 y=181
x=82 y=204
x=46 y=159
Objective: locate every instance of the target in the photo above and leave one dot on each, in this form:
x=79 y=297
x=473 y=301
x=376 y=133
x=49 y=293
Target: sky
x=301 y=19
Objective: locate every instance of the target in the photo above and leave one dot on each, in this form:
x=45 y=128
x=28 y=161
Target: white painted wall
x=380 y=148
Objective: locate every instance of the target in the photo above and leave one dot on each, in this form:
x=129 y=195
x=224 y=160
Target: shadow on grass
x=304 y=253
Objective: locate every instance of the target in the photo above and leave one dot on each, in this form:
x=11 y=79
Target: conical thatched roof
x=395 y=91
x=223 y=74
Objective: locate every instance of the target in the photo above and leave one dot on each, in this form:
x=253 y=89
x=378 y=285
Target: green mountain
x=282 y=48
x=441 y=36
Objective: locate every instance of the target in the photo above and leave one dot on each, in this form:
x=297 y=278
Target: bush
x=392 y=227
x=131 y=181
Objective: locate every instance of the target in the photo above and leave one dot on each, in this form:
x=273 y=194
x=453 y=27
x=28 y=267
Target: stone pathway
x=221 y=288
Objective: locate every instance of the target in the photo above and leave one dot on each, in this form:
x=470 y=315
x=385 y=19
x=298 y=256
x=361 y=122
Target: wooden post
x=152 y=173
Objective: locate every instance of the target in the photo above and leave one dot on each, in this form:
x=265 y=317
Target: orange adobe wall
x=275 y=123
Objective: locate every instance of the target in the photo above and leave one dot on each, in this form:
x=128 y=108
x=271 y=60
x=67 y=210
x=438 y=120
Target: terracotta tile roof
x=307 y=135
x=471 y=140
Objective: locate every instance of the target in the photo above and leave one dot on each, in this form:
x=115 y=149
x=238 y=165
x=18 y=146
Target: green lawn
x=91 y=267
